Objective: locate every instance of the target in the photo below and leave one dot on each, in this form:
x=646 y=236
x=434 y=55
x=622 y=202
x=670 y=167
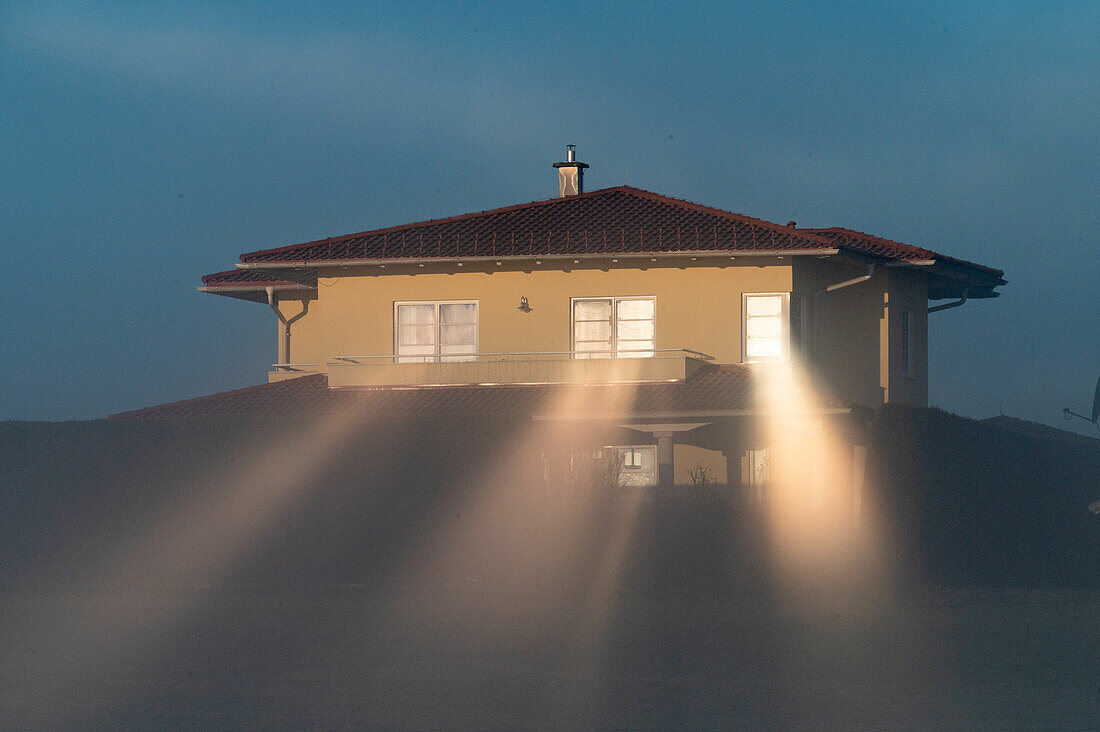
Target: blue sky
x=146 y=144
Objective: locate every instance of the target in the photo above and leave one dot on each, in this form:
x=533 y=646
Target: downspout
x=833 y=288
x=854 y=281
x=273 y=302
x=948 y=306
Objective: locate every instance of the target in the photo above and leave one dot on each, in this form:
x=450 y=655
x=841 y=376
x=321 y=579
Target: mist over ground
x=327 y=571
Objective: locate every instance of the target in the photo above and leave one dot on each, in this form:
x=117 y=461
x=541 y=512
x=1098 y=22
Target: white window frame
x=437 y=357
x=785 y=321
x=613 y=351
x=627 y=472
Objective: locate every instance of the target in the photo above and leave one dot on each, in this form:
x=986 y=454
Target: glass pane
x=764 y=304
x=592 y=310
x=638 y=463
x=632 y=459
x=636 y=349
x=416 y=314
x=592 y=331
x=457 y=353
x=416 y=335
x=764 y=348
x=635 y=329
x=450 y=335
x=765 y=327
x=596 y=349
x=635 y=309
x=409 y=353
x=458 y=313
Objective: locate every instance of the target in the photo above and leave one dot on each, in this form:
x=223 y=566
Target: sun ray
x=133 y=593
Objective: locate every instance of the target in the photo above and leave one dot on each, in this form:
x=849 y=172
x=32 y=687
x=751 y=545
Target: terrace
x=555 y=367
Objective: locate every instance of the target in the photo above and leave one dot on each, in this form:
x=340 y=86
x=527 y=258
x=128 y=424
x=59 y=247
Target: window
x=755 y=472
x=607 y=327
x=906 y=341
x=638 y=464
x=435 y=331
x=772 y=324
x=758 y=473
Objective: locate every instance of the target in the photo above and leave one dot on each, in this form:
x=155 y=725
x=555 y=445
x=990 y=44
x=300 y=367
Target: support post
x=665 y=475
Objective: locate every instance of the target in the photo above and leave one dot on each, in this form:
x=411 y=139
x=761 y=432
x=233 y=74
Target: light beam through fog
x=141 y=588
x=830 y=553
x=817 y=505
x=519 y=552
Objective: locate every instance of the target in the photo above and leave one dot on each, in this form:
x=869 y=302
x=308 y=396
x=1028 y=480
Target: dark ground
x=339 y=658
x=194 y=576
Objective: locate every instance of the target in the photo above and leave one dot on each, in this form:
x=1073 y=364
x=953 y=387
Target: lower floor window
x=637 y=464
x=755 y=468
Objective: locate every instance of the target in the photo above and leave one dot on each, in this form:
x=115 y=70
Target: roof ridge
x=722 y=213
x=434 y=222
x=624 y=189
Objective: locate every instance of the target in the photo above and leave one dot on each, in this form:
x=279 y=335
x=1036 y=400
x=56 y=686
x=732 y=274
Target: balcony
x=565 y=367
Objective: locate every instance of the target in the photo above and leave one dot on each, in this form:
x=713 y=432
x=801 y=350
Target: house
x=664 y=314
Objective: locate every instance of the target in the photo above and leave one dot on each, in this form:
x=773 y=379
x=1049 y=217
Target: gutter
x=948 y=306
x=217 y=289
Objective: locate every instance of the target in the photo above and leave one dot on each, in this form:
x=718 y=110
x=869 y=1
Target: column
x=665 y=475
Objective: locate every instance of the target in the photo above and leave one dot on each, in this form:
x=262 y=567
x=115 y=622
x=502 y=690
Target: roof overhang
x=257 y=292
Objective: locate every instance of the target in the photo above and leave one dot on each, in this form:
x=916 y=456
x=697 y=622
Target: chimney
x=570 y=173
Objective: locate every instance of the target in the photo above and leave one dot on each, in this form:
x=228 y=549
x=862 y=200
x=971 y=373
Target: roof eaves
x=917 y=253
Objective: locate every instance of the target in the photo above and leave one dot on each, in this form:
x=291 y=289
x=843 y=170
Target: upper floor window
x=435 y=331
x=621 y=327
x=772 y=325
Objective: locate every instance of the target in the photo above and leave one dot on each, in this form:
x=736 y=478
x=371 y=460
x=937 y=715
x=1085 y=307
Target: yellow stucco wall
x=908 y=290
x=697 y=307
x=688 y=457
x=855 y=342
x=853 y=334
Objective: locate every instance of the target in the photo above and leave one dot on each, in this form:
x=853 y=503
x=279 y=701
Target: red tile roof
x=612 y=220
x=712 y=389
x=879 y=247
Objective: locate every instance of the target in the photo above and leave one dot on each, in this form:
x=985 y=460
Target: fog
x=347 y=569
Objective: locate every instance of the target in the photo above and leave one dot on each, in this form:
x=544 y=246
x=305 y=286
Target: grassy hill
x=1002 y=502
x=972 y=502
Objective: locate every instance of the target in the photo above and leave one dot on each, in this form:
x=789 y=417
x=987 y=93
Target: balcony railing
x=542 y=367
